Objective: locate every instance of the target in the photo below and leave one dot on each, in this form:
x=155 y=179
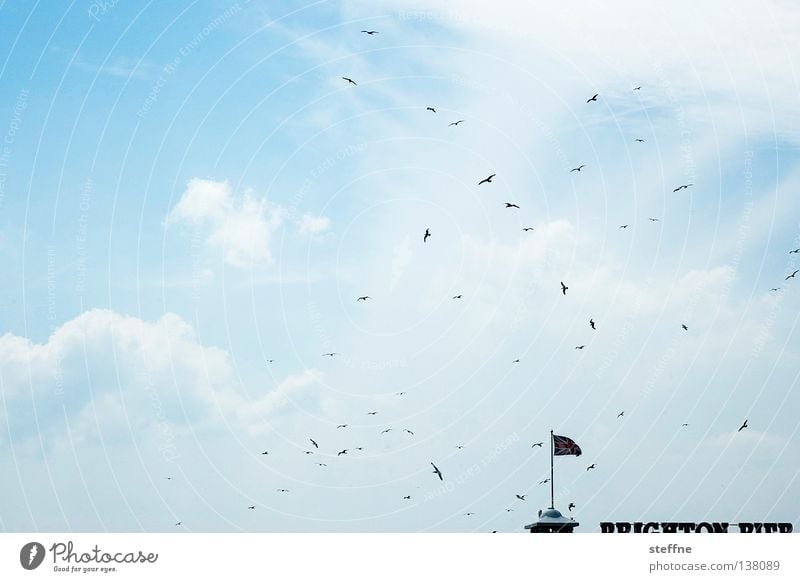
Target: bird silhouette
x=543 y=481
x=744 y=425
x=775 y=289
x=342 y=426
x=264 y=453
x=653 y=219
x=409 y=431
x=469 y=513
x=510 y=205
x=592 y=324
x=593 y=98
x=527 y=229
x=342 y=452
x=427 y=235
x=370 y=32
x=329 y=354
x=508 y=510
x=570 y=507
x=322 y=464
x=407 y=497
x=580 y=347
x=170 y=478
x=792 y=275
x=563 y=288
x=621 y=414
x=639 y=88
x=487 y=179
x=363 y=298
x=385 y=431
x=578 y=169
x=521 y=497
x=430 y=109
x=309 y=452
x=685 y=424
x=270 y=361
x=795 y=251
x=251 y=507
x=537 y=445
x=179 y=523
x=456 y=296
x=625 y=226
x=515 y=362
x=313 y=442
x=685 y=328
x=437 y=471
x=591 y=467
x=682 y=187
x=283 y=491
x=456 y=122
x=639 y=140
x=349 y=80
x=372 y=413
x=459 y=446
x=399 y=393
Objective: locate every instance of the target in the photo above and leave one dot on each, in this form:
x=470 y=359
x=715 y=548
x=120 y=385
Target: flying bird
x=469 y=513
x=570 y=507
x=578 y=169
x=313 y=442
x=179 y=523
x=409 y=431
x=593 y=98
x=521 y=497
x=795 y=251
x=399 y=393
x=653 y=219
x=363 y=298
x=508 y=510
x=251 y=507
x=342 y=426
x=537 y=445
x=270 y=361
x=515 y=362
x=591 y=467
x=427 y=235
x=430 y=109
x=527 y=229
x=744 y=425
x=385 y=431
x=170 y=478
x=309 y=452
x=322 y=464
x=775 y=289
x=456 y=122
x=682 y=187
x=456 y=296
x=625 y=226
x=580 y=347
x=407 y=497
x=342 y=452
x=685 y=328
x=264 y=453
x=543 y=481
x=563 y=288
x=510 y=205
x=437 y=472
x=792 y=275
x=370 y=32
x=639 y=140
x=330 y=354
x=488 y=179
x=372 y=413
x=592 y=324
x=639 y=88
x=283 y=490
x=349 y=80
x=621 y=414
x=459 y=446
x=685 y=424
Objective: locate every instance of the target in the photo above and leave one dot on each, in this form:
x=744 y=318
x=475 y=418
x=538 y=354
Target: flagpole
x=552 y=446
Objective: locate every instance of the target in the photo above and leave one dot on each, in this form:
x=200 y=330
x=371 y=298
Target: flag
x=565 y=446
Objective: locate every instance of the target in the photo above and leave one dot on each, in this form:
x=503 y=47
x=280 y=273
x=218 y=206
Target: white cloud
x=311 y=225
x=238 y=226
x=106 y=375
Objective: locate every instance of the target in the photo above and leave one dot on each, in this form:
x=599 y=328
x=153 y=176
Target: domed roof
x=552 y=513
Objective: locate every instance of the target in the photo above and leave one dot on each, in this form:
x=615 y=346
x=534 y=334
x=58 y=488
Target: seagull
x=469 y=513
x=515 y=362
x=456 y=296
x=580 y=347
x=591 y=324
x=364 y=298
x=682 y=186
x=359 y=448
x=385 y=431
x=591 y=467
x=430 y=109
x=775 y=289
x=639 y=140
x=407 y=497
x=795 y=251
x=563 y=288
x=459 y=446
x=309 y=452
x=527 y=229
x=594 y=98
x=683 y=325
x=342 y=452
x=179 y=523
x=370 y=32
x=744 y=425
x=170 y=478
x=510 y=205
x=372 y=413
x=542 y=482
x=639 y=88
x=521 y=497
x=653 y=219
x=578 y=169
x=685 y=424
x=489 y=179
x=264 y=453
x=349 y=80
x=270 y=361
x=427 y=235
x=792 y=275
x=342 y=426
x=537 y=445
x=251 y=507
x=331 y=354
x=437 y=471
x=621 y=414
x=283 y=490
x=570 y=507
x=456 y=122
x=625 y=226
x=399 y=393
x=409 y=432
x=313 y=442
x=509 y=510
x=322 y=464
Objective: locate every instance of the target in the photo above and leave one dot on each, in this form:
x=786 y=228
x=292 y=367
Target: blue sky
x=189 y=191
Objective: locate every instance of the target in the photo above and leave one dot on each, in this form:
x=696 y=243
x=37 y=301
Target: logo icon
x=31 y=555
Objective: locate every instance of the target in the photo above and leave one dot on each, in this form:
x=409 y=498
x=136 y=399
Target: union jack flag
x=565 y=446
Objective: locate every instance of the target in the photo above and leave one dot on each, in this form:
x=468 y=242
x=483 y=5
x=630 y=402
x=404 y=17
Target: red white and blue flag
x=565 y=446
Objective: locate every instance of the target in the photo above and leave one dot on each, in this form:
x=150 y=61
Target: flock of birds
x=437 y=472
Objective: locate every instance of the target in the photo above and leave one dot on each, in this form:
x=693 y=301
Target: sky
x=192 y=199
